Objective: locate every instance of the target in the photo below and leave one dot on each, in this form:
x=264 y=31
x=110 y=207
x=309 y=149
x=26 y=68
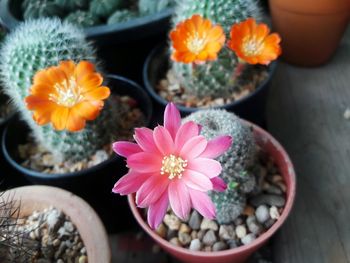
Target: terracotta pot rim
x=82 y=215
x=245 y=248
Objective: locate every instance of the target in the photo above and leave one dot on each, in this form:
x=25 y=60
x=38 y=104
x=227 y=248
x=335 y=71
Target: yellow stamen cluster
x=195 y=44
x=68 y=93
x=173 y=166
x=252 y=47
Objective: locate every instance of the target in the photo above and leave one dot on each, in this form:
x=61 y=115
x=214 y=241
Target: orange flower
x=252 y=42
x=67 y=95
x=196 y=40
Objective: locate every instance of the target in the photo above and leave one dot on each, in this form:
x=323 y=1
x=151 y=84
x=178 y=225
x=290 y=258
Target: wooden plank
x=305 y=113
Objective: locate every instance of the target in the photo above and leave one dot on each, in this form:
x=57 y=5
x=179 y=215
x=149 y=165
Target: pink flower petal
x=144 y=137
x=218 y=184
x=163 y=140
x=130 y=183
x=172 y=119
x=197 y=181
x=217 y=146
x=193 y=147
x=144 y=162
x=126 y=149
x=157 y=210
x=151 y=190
x=208 y=167
x=202 y=203
x=186 y=131
x=179 y=198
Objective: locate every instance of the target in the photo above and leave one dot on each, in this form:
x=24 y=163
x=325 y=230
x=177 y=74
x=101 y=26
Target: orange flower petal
x=90 y=81
x=75 y=122
x=83 y=68
x=67 y=67
x=59 y=117
x=100 y=93
x=88 y=110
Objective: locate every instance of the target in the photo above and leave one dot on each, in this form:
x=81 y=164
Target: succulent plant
x=148 y=7
x=40 y=8
x=38 y=44
x=82 y=18
x=104 y=8
x=236 y=162
x=120 y=16
x=72 y=5
x=215 y=78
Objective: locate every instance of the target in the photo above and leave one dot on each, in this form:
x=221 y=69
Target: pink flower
x=173 y=165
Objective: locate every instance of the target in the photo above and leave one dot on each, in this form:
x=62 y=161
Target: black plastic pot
x=251 y=107
x=93 y=184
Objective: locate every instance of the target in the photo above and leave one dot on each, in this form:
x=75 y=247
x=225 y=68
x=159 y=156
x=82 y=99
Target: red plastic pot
x=239 y=254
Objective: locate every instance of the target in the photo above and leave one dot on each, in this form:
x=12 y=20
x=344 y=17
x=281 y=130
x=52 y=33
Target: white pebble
x=241 y=231
x=274 y=214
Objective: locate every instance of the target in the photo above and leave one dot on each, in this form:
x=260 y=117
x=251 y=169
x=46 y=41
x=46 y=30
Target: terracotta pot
x=310 y=30
x=85 y=219
x=239 y=254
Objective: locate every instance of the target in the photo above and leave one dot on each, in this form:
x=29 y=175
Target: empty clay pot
x=310 y=30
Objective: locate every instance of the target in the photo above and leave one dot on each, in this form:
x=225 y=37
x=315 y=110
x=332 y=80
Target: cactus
x=236 y=162
x=216 y=78
x=70 y=5
x=82 y=18
x=120 y=16
x=40 y=8
x=104 y=8
x=149 y=7
x=36 y=45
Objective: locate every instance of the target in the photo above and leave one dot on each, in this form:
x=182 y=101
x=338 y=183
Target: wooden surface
x=305 y=113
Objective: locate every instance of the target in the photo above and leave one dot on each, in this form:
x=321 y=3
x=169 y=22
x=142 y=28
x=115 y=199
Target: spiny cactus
x=236 y=162
x=215 y=79
x=120 y=16
x=72 y=5
x=82 y=18
x=104 y=8
x=40 y=8
x=148 y=7
x=38 y=44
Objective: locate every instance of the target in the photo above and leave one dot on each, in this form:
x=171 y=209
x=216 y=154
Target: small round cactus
x=40 y=8
x=236 y=162
x=104 y=8
x=82 y=18
x=70 y=5
x=148 y=7
x=120 y=16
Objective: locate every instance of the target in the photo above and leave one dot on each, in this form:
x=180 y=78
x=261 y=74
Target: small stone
x=248 y=239
x=161 y=230
x=272 y=189
x=347 y=114
x=32 y=235
x=209 y=224
x=83 y=250
x=207 y=249
x=238 y=221
x=232 y=243
x=227 y=232
x=262 y=214
x=184 y=238
x=254 y=226
x=274 y=214
x=83 y=259
x=59 y=261
x=172 y=221
x=195 y=220
x=42 y=260
x=201 y=234
x=45 y=240
x=56 y=242
x=175 y=241
x=171 y=233
x=276 y=178
x=248 y=210
x=54 y=219
x=194 y=234
x=209 y=238
x=69 y=226
x=241 y=231
x=218 y=246
x=195 y=245
x=282 y=186
x=184 y=228
x=268 y=199
x=269 y=223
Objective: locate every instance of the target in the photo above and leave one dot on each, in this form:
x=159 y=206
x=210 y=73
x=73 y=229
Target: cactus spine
x=236 y=162
x=216 y=78
x=39 y=44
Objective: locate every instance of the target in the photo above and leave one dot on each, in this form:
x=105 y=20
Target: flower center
x=173 y=166
x=252 y=47
x=68 y=93
x=195 y=44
